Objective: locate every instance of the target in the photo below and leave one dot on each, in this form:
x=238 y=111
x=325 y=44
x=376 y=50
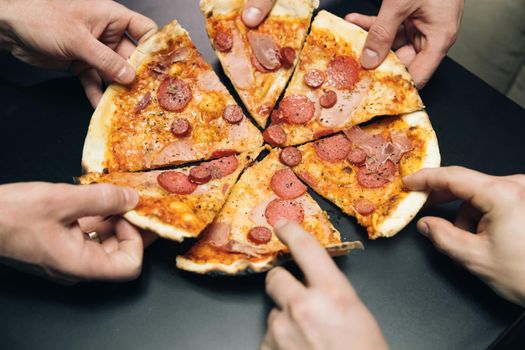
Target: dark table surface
x=421 y=299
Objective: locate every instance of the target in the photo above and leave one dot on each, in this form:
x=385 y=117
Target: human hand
x=488 y=235
x=325 y=312
x=87 y=38
x=255 y=11
x=421 y=32
x=43 y=225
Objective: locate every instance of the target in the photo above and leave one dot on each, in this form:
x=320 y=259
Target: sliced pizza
x=241 y=238
x=258 y=61
x=175 y=111
x=361 y=169
x=330 y=91
x=180 y=203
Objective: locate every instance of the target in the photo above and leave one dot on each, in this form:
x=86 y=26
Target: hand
x=44 y=225
x=325 y=312
x=255 y=11
x=488 y=235
x=88 y=38
x=420 y=31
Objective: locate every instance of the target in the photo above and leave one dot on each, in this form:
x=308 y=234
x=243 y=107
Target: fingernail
x=423 y=228
x=351 y=17
x=132 y=197
x=252 y=15
x=126 y=75
x=369 y=58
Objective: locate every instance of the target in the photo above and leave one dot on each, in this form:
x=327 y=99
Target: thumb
x=109 y=63
x=98 y=200
x=255 y=11
x=460 y=245
x=381 y=36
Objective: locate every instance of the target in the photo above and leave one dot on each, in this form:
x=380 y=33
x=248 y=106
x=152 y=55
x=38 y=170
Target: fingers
x=467 y=217
x=92 y=84
x=460 y=245
x=255 y=11
x=424 y=64
x=317 y=266
x=148 y=238
x=281 y=286
x=95 y=200
x=406 y=54
x=366 y=22
x=382 y=33
x=140 y=27
x=462 y=183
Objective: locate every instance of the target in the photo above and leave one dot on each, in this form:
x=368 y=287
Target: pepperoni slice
x=222 y=167
x=333 y=149
x=314 y=78
x=223 y=41
x=143 y=103
x=259 y=235
x=180 y=127
x=286 y=184
x=277 y=117
x=297 y=109
x=364 y=206
x=384 y=174
x=176 y=182
x=200 y=175
x=287 y=56
x=290 y=156
x=233 y=114
x=274 y=135
x=343 y=72
x=284 y=209
x=306 y=177
x=174 y=94
x=356 y=156
x=223 y=153
x=328 y=99
x=322 y=133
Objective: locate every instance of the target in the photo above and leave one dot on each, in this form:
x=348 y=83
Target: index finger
x=139 y=27
x=462 y=183
x=255 y=11
x=317 y=266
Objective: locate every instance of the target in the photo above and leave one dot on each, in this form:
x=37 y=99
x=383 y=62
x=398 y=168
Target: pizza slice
x=241 y=238
x=180 y=203
x=176 y=111
x=361 y=169
x=330 y=91
x=259 y=62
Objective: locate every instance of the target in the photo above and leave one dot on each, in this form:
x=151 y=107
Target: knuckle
x=300 y=310
x=380 y=34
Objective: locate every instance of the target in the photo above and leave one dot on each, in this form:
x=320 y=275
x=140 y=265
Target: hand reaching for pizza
x=255 y=11
x=488 y=234
x=420 y=32
x=87 y=38
x=323 y=313
x=43 y=227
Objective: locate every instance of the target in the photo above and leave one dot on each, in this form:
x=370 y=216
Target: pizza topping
x=401 y=141
x=286 y=185
x=265 y=49
x=158 y=69
x=297 y=109
x=333 y=149
x=223 y=153
x=200 y=175
x=216 y=234
x=222 y=167
x=364 y=206
x=274 y=135
x=287 y=56
x=179 y=55
x=382 y=175
x=174 y=152
x=258 y=67
x=222 y=41
x=174 y=94
x=237 y=63
x=176 y=182
x=306 y=177
x=259 y=235
x=314 y=78
x=180 y=127
x=290 y=156
x=264 y=110
x=233 y=114
x=322 y=133
x=277 y=117
x=347 y=102
x=209 y=81
x=343 y=72
x=328 y=99
x=284 y=209
x=143 y=103
x=356 y=156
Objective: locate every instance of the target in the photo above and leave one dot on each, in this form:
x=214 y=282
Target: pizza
x=241 y=238
x=361 y=169
x=330 y=91
x=260 y=61
x=176 y=111
x=178 y=204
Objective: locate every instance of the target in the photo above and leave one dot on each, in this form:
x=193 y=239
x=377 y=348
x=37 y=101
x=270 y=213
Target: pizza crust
x=155 y=225
x=408 y=208
x=300 y=9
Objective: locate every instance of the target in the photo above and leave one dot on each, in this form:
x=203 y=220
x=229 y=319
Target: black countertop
x=421 y=299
